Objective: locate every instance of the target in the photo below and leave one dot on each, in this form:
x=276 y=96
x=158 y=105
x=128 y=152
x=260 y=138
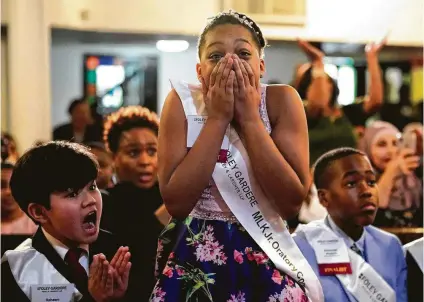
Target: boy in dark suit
x=415 y=262
x=353 y=260
x=55 y=185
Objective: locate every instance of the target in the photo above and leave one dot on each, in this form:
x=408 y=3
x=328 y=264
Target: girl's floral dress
x=210 y=257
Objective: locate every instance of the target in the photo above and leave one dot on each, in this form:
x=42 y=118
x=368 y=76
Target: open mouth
x=368 y=207
x=145 y=177
x=89 y=222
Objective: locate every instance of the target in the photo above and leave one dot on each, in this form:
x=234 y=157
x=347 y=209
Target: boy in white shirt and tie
x=55 y=185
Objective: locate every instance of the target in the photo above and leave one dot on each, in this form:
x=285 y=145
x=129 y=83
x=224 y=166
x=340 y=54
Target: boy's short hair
x=51 y=168
x=324 y=162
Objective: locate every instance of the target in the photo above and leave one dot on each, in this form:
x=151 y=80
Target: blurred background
x=116 y=53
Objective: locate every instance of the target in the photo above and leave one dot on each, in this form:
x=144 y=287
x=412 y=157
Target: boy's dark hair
x=126 y=119
x=306 y=80
x=51 y=168
x=236 y=18
x=324 y=162
x=74 y=104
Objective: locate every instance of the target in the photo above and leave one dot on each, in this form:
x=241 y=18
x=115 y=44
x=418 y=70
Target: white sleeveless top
x=210 y=205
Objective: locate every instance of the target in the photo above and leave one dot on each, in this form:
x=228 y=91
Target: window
x=343 y=71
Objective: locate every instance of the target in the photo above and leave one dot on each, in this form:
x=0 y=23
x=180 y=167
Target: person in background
x=105 y=177
x=331 y=126
x=55 y=185
x=80 y=129
x=416 y=129
x=9 y=150
x=13 y=219
x=134 y=209
x=415 y=263
x=399 y=188
x=347 y=187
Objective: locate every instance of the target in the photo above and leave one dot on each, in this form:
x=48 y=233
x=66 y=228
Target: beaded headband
x=243 y=19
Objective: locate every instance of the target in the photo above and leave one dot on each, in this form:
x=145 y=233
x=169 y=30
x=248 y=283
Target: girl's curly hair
x=125 y=119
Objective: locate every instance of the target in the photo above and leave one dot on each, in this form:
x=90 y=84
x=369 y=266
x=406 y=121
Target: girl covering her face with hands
x=214 y=257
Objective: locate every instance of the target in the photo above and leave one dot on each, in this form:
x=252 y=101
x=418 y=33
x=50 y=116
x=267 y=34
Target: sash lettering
x=242 y=194
x=364 y=283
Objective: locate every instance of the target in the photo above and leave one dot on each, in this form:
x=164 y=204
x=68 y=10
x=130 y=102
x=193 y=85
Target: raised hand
x=219 y=96
x=372 y=49
x=100 y=280
x=405 y=163
x=121 y=271
x=313 y=53
x=247 y=92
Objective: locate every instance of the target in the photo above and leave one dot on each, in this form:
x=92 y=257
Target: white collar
x=360 y=243
x=61 y=248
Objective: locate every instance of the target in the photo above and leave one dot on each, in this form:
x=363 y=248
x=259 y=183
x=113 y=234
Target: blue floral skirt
x=211 y=260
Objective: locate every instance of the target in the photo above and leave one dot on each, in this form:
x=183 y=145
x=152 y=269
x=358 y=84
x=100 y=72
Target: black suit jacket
x=128 y=212
x=415 y=280
x=11 y=292
x=66 y=133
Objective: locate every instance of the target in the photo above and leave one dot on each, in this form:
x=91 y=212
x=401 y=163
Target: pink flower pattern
x=276 y=276
x=189 y=277
x=158 y=256
x=158 y=295
x=289 y=294
x=238 y=257
x=237 y=298
x=209 y=249
x=168 y=271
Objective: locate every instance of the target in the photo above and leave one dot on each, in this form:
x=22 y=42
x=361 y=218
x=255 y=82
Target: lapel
x=42 y=245
x=373 y=258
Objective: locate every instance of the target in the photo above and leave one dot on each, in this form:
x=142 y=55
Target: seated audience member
x=134 y=209
x=400 y=190
x=104 y=158
x=9 y=150
x=80 y=129
x=13 y=219
x=55 y=185
x=415 y=263
x=330 y=125
x=345 y=239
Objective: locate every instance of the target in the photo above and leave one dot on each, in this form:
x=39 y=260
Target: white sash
x=30 y=267
x=365 y=284
x=415 y=248
x=243 y=195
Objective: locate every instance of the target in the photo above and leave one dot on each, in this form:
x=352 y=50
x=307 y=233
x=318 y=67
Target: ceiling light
x=172 y=45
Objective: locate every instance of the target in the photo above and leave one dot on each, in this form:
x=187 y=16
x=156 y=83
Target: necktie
x=78 y=273
x=356 y=249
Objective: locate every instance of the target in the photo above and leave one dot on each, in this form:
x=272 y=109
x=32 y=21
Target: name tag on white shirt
x=195 y=124
x=52 y=292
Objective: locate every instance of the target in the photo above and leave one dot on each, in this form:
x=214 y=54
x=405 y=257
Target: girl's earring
x=261 y=76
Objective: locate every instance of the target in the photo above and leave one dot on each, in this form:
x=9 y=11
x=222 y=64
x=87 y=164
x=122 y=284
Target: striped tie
x=356 y=249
